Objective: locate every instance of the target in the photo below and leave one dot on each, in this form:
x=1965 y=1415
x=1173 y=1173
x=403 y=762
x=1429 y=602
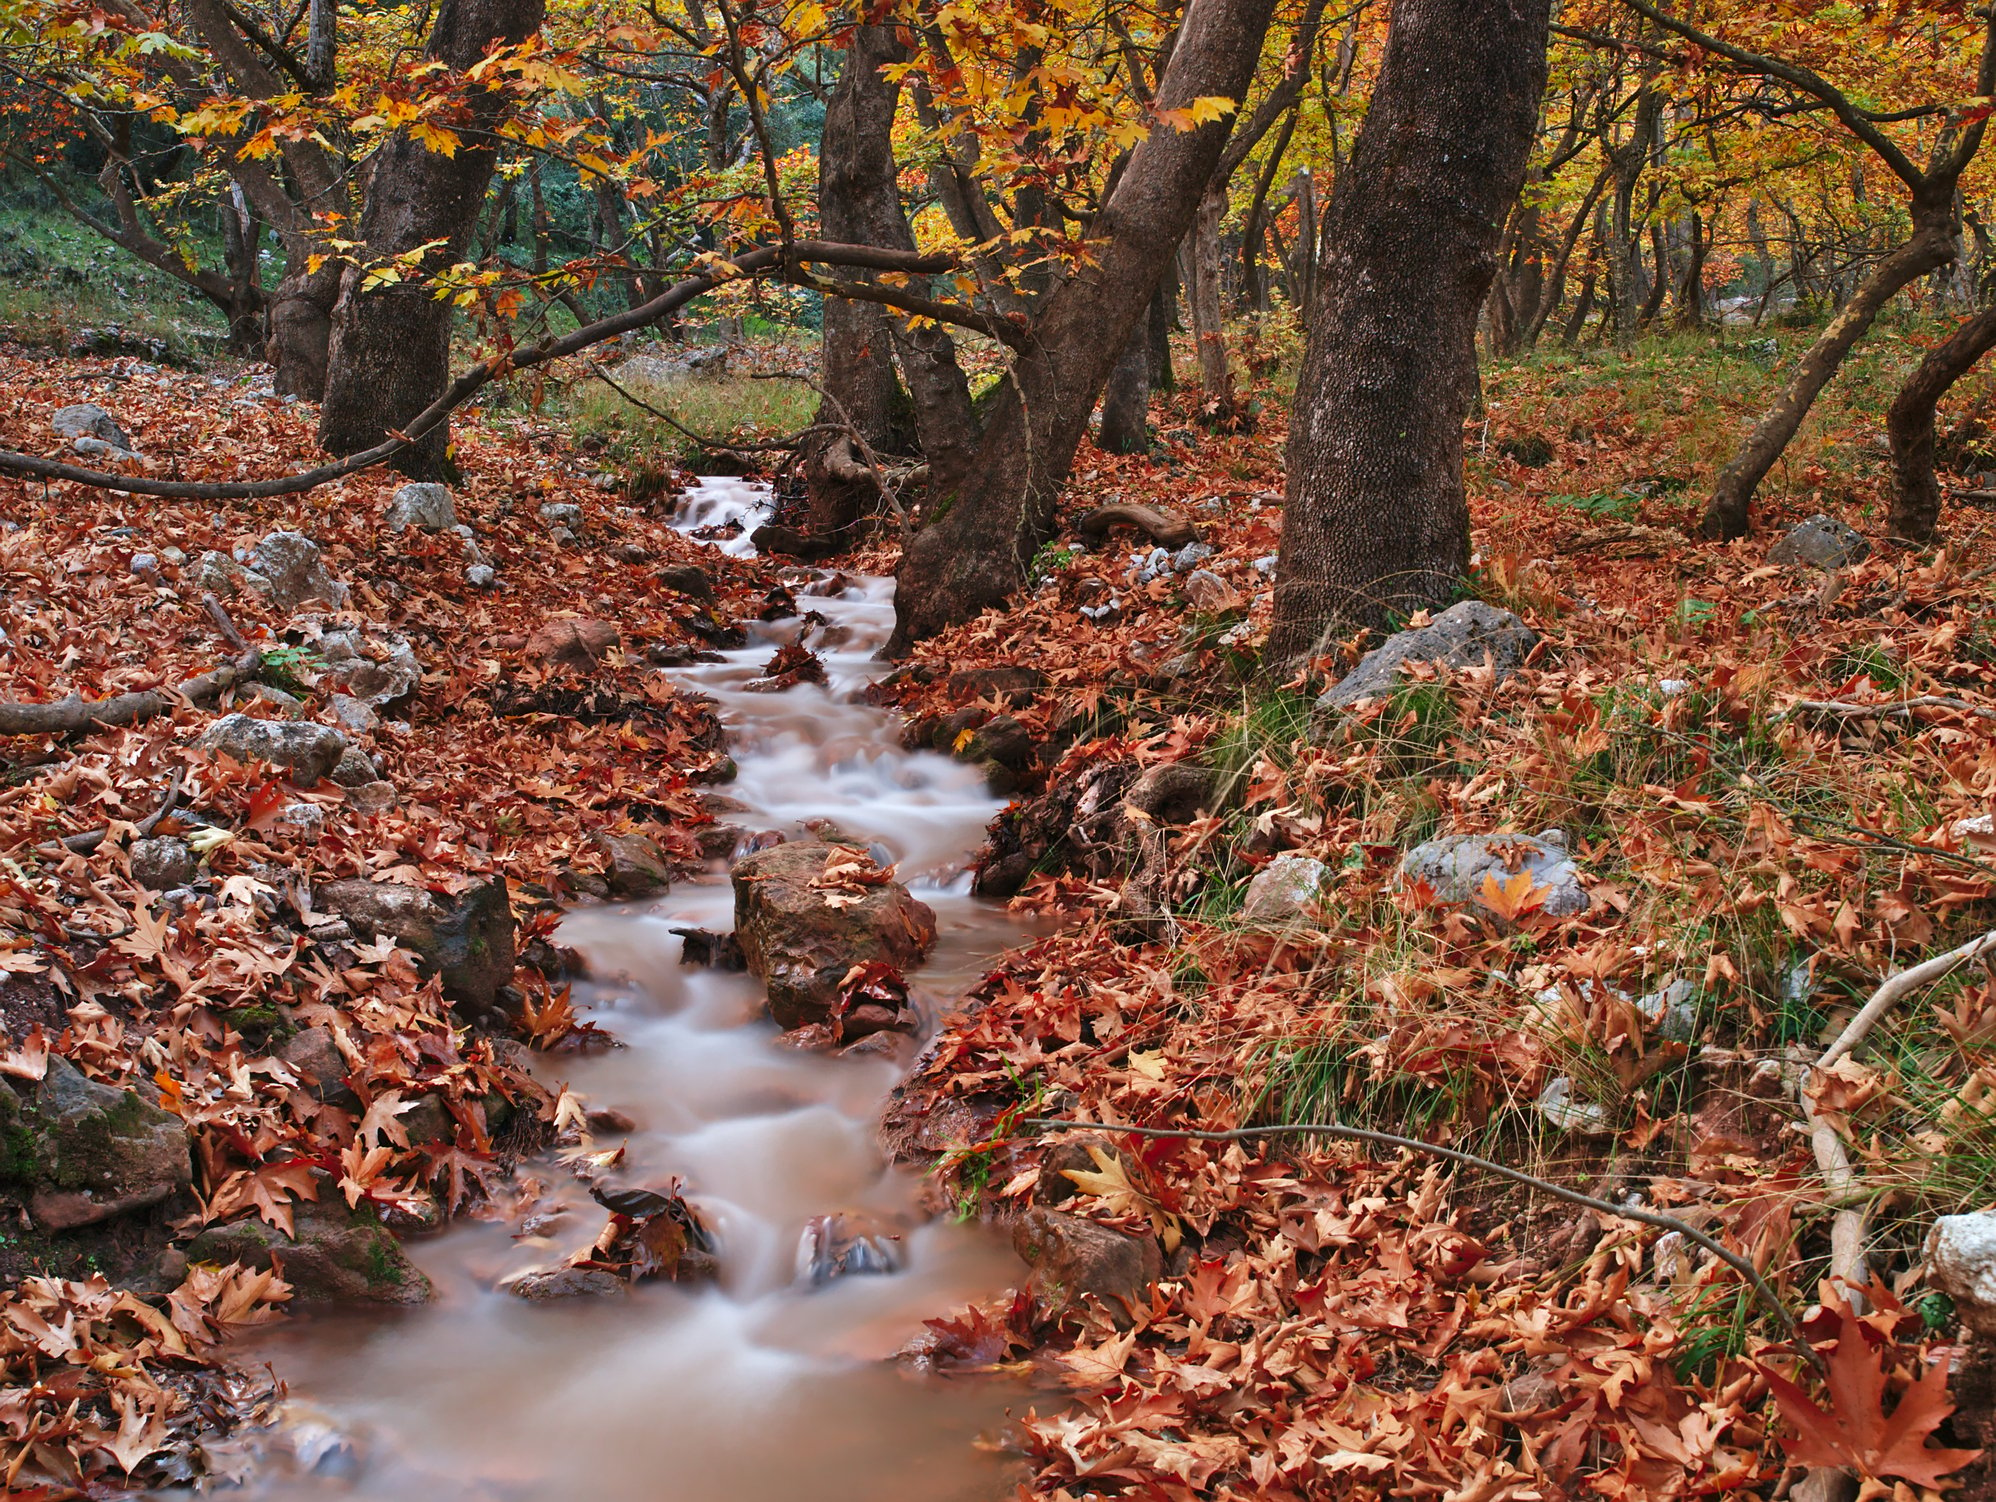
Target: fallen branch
x=1847 y=1228
x=763 y=258
x=1161 y=527
x=1768 y=1298
x=75 y=715
x=84 y=844
x=1899 y=708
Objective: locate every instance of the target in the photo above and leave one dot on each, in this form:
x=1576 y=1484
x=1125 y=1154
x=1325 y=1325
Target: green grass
x=729 y=409
x=56 y=276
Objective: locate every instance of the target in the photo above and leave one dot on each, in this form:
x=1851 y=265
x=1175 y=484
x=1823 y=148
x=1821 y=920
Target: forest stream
x=761 y=1385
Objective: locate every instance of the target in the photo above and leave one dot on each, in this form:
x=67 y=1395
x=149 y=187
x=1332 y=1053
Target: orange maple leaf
x=1512 y=896
x=1856 y=1431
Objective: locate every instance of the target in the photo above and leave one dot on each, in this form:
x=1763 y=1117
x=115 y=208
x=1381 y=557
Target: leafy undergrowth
x=501 y=765
x=1335 y=1320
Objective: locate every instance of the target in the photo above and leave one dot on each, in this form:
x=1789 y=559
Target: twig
x=1769 y=1299
x=222 y=622
x=84 y=844
x=1890 y=993
x=1847 y=1228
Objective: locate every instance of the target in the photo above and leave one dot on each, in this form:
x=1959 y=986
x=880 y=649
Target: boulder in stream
x=1074 y=1259
x=807 y=913
x=336 y=1254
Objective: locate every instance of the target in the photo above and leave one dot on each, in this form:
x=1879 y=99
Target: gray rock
x=162 y=864
x=1284 y=889
x=481 y=576
x=560 y=535
x=545 y=1284
x=277 y=698
x=1466 y=635
x=97 y=448
x=300 y=821
x=339 y=1254
x=1455 y=866
x=372 y=797
x=466 y=938
x=1570 y=1112
x=321 y=1067
x=847 y=1244
x=87 y=419
x=1191 y=556
x=561 y=513
x=1671 y=1011
x=688 y=579
x=1265 y=566
x=89 y=1151
x=373 y=665
x=355 y=768
x=219 y=572
x=144 y=563
x=1961 y=1263
x=1206 y=590
x=1820 y=542
x=173 y=556
x=293 y=572
x=637 y=867
x=421 y=504
x=800 y=943
x=306 y=751
x=356 y=716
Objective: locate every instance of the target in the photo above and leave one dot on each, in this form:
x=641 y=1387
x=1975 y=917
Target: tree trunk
x=1376 y=521
x=1126 y=400
x=1158 y=326
x=859 y=203
x=1216 y=380
x=390 y=352
x=975 y=553
x=1931 y=245
x=1916 y=495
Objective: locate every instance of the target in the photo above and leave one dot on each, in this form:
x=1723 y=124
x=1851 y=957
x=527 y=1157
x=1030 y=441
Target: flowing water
x=760 y=1386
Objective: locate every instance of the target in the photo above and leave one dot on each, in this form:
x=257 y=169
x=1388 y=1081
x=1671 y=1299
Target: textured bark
x=1157 y=335
x=390 y=350
x=1126 y=399
x=1931 y=246
x=976 y=551
x=859 y=203
x=1376 y=520
x=1216 y=380
x=1916 y=494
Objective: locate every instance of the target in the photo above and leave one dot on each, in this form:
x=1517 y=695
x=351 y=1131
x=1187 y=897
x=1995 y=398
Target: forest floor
x=1302 y=1318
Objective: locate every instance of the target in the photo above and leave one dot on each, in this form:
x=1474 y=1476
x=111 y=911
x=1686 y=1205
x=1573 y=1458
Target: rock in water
x=1455 y=867
x=466 y=938
x=1820 y=542
x=338 y=1254
x=424 y=505
x=88 y=1151
x=1466 y=635
x=1074 y=1258
x=806 y=913
x=306 y=751
x=848 y=1243
x=636 y=865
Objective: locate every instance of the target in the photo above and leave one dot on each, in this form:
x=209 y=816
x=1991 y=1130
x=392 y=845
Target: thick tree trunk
x=859 y=203
x=976 y=551
x=1931 y=245
x=1126 y=399
x=1916 y=495
x=390 y=353
x=1376 y=521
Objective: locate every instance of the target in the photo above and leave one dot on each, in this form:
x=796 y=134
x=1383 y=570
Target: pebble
x=144 y=563
x=481 y=576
